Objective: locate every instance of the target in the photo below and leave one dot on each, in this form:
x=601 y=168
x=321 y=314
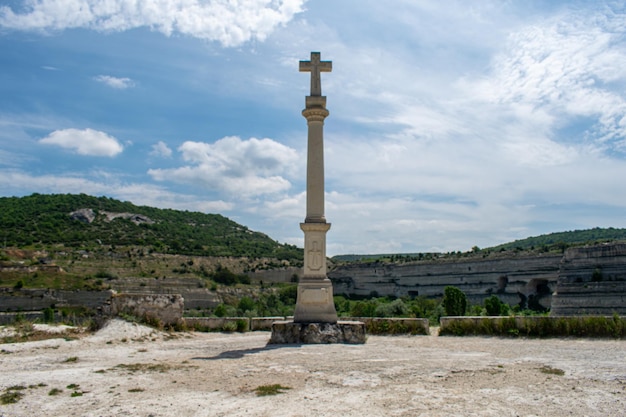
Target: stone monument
x=315 y=317
x=315 y=291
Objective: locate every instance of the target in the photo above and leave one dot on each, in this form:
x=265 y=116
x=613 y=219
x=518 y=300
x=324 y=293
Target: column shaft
x=315 y=173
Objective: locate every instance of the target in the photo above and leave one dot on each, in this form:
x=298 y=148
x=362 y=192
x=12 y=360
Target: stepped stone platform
x=288 y=332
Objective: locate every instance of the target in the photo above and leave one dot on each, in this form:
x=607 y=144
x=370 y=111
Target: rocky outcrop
x=191 y=289
x=87 y=215
x=518 y=280
x=39 y=299
x=135 y=218
x=164 y=308
x=592 y=280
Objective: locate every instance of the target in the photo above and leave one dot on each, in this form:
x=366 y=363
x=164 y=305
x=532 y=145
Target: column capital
x=315 y=114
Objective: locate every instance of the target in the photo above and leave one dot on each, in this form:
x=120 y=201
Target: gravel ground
x=130 y=370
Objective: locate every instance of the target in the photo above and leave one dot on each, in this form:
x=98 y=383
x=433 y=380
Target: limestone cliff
x=516 y=280
x=586 y=280
x=592 y=280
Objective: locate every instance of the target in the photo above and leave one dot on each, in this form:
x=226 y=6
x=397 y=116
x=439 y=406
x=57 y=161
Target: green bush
x=48 y=315
x=242 y=325
x=495 y=307
x=366 y=308
x=454 y=301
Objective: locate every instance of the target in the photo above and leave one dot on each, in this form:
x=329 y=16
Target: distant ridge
x=550 y=242
x=566 y=239
x=83 y=221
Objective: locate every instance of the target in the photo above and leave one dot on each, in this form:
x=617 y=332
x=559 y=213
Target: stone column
x=315 y=302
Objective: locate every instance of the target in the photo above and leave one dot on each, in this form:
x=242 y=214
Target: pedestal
x=315 y=303
x=288 y=332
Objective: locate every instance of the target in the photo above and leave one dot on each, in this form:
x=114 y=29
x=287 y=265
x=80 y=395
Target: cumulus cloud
x=245 y=167
x=115 y=82
x=161 y=149
x=230 y=22
x=84 y=142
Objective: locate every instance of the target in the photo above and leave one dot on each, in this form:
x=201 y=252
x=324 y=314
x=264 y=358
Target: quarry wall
x=517 y=280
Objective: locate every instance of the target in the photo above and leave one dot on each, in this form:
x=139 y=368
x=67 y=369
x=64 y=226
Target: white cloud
x=115 y=82
x=230 y=22
x=568 y=69
x=161 y=149
x=20 y=183
x=84 y=142
x=251 y=167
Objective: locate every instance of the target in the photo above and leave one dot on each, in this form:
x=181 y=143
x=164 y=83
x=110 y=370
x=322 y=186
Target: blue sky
x=452 y=124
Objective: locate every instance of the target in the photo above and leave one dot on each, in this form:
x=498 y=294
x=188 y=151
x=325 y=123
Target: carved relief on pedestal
x=314 y=257
x=314 y=248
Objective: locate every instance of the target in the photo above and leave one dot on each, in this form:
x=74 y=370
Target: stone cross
x=315 y=66
x=315 y=317
x=315 y=302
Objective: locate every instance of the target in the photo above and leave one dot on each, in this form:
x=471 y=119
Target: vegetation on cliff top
x=549 y=243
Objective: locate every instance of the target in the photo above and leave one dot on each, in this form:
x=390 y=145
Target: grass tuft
x=274 y=389
x=551 y=371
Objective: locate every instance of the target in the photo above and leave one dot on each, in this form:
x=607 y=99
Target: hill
x=552 y=242
x=563 y=240
x=83 y=221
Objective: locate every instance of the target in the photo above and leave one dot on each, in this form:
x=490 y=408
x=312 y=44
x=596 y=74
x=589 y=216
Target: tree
x=454 y=301
x=245 y=304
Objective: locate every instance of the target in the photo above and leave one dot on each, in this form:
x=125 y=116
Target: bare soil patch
x=131 y=370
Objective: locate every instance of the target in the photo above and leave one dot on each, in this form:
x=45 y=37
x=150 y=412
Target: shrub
x=396 y=308
x=454 y=301
x=241 y=325
x=246 y=304
x=48 y=315
x=495 y=307
x=585 y=326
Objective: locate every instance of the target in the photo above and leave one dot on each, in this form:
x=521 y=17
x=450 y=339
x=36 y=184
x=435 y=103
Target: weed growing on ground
x=144 y=367
x=12 y=394
x=551 y=371
x=274 y=389
x=136 y=390
x=55 y=391
x=71 y=359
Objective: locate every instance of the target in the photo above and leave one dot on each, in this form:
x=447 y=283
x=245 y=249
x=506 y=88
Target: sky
x=452 y=124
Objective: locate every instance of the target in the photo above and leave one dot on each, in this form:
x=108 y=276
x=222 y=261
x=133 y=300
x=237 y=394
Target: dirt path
x=130 y=370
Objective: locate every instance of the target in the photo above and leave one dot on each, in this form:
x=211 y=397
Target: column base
x=288 y=332
x=315 y=303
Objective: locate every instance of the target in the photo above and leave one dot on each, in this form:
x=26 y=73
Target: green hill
x=552 y=242
x=46 y=220
x=562 y=240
